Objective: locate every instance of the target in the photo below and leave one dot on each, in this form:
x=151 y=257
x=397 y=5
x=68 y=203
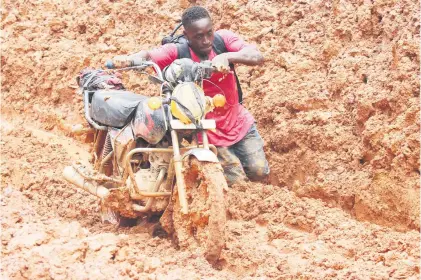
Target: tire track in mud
x=50 y=230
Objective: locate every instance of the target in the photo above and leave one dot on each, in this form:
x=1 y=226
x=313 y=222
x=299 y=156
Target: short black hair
x=193 y=14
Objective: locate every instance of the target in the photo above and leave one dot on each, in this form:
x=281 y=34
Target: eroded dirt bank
x=337 y=103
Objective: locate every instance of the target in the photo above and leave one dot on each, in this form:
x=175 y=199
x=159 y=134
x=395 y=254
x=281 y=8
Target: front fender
x=202 y=154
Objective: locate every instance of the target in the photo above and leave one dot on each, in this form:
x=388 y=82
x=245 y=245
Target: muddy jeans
x=245 y=159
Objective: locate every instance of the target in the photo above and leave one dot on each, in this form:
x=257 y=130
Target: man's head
x=198 y=29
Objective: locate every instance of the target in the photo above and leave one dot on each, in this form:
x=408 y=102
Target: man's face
x=200 y=36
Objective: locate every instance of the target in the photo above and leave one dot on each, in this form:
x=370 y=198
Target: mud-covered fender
x=202 y=154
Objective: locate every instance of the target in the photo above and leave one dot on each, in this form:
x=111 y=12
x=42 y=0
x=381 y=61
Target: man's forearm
x=247 y=56
x=143 y=55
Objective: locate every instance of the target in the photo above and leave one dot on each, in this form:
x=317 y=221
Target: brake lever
x=142 y=67
x=207 y=66
x=109 y=64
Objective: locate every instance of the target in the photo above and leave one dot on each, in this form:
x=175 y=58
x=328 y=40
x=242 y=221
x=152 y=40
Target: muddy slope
x=337 y=103
x=339 y=89
x=51 y=231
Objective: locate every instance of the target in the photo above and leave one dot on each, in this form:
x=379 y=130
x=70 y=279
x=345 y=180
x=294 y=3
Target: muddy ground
x=337 y=103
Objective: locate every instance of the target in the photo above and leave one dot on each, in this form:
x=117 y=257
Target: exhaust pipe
x=72 y=176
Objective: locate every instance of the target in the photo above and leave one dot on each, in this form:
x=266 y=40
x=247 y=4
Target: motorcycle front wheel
x=204 y=224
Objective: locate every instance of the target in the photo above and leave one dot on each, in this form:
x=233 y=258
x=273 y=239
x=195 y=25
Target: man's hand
x=221 y=63
x=121 y=61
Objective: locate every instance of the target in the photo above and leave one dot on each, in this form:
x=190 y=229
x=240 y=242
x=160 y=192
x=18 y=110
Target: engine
x=146 y=178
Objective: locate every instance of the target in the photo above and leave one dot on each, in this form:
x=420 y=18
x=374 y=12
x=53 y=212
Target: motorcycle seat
x=114 y=107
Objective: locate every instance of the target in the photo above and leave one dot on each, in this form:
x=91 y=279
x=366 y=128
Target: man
x=240 y=147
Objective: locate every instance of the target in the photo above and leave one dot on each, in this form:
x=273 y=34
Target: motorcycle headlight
x=188 y=102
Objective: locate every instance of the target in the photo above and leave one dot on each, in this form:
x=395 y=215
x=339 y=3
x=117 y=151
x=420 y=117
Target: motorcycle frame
x=176 y=163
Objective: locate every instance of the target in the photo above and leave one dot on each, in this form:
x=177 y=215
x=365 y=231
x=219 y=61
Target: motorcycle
x=142 y=169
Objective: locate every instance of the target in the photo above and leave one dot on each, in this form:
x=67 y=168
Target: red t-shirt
x=233 y=120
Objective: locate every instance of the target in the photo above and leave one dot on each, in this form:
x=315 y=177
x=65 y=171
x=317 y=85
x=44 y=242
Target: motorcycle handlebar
x=136 y=64
x=141 y=64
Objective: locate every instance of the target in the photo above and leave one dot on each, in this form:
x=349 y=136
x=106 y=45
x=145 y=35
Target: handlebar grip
x=109 y=64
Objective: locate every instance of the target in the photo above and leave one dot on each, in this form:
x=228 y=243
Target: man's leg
x=233 y=170
x=251 y=155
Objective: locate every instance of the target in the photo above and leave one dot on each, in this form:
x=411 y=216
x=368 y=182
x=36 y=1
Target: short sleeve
x=164 y=55
x=232 y=41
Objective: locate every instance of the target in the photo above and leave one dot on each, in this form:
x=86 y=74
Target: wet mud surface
x=337 y=103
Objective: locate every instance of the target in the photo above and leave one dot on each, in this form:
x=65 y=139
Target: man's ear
x=185 y=36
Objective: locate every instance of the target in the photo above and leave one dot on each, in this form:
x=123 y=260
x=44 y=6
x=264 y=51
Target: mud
x=337 y=103
x=205 y=186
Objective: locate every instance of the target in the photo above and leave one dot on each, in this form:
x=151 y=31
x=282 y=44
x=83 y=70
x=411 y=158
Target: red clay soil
x=337 y=103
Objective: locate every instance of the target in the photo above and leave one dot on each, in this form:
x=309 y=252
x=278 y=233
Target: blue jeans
x=245 y=159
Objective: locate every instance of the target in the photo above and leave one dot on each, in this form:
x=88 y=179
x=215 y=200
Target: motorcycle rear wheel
x=204 y=225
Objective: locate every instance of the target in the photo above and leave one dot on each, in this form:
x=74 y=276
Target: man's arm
x=163 y=56
x=121 y=61
x=238 y=51
x=248 y=56
x=142 y=55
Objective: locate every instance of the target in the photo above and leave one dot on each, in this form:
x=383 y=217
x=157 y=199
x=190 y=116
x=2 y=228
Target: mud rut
x=50 y=231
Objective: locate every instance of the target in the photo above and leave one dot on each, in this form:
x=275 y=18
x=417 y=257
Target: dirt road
x=337 y=103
